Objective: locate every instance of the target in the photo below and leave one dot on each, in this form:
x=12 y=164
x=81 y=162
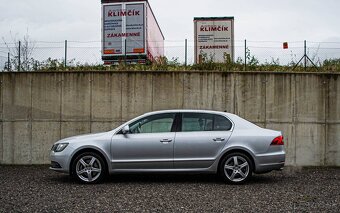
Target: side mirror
x=126 y=129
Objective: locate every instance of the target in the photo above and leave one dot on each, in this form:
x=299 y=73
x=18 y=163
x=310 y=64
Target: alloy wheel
x=88 y=168
x=236 y=168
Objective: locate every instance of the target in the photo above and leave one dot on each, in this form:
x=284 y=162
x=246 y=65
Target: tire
x=89 y=168
x=236 y=168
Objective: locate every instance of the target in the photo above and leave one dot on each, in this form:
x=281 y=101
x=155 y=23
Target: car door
x=148 y=145
x=200 y=139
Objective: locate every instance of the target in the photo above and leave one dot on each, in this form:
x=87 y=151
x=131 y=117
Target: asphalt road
x=36 y=189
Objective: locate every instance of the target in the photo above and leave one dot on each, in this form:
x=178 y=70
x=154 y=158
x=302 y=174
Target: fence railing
x=36 y=55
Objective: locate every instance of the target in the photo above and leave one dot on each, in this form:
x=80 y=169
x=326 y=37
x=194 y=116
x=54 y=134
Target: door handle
x=218 y=139
x=166 y=140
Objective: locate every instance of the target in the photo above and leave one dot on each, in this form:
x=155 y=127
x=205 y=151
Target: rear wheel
x=89 y=167
x=236 y=168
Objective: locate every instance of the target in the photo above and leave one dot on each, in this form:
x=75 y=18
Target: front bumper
x=60 y=161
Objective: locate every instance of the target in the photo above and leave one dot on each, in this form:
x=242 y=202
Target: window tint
x=197 y=122
x=204 y=122
x=221 y=123
x=153 y=124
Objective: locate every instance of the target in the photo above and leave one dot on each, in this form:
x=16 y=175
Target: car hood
x=80 y=138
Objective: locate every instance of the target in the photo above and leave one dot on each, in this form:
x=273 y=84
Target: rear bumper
x=271 y=161
x=269 y=167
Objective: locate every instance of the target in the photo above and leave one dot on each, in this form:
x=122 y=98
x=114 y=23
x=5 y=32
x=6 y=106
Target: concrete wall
x=38 y=109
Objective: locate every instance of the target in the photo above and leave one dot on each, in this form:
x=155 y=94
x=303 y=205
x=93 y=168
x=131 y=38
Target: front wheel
x=88 y=167
x=236 y=168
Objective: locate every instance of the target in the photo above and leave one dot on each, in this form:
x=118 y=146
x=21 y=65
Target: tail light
x=277 y=141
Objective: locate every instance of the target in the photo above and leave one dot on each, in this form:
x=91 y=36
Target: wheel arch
x=240 y=150
x=89 y=149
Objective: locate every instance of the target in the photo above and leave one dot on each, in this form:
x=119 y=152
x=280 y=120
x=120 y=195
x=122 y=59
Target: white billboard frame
x=229 y=47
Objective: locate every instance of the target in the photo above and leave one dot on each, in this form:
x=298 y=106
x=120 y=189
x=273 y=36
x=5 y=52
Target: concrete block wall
x=37 y=109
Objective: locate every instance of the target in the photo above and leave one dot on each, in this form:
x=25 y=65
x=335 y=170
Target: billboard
x=214 y=39
x=122 y=22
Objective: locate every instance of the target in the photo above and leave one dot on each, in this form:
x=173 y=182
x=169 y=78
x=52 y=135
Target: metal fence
x=34 y=55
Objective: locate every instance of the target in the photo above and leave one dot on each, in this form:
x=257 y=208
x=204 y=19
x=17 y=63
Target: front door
x=148 y=145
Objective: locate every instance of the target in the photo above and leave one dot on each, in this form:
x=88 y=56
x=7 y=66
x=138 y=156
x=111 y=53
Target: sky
x=261 y=20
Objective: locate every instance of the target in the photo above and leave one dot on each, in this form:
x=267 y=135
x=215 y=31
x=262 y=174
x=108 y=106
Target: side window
x=221 y=123
x=153 y=124
x=192 y=122
x=197 y=122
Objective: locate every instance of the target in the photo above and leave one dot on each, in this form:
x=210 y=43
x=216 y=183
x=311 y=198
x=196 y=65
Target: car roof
x=188 y=110
x=237 y=121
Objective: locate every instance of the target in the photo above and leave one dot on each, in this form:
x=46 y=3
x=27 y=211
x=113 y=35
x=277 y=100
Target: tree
x=25 y=48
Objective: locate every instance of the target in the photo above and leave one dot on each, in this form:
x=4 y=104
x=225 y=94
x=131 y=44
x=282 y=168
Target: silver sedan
x=173 y=141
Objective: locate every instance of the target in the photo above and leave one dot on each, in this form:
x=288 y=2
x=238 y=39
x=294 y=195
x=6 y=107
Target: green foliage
x=51 y=65
x=331 y=64
x=164 y=64
x=252 y=61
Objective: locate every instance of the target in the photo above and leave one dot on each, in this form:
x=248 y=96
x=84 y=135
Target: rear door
x=200 y=139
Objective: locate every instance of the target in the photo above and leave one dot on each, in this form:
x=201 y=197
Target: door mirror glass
x=126 y=129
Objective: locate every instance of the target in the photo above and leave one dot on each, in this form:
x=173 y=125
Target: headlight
x=59 y=147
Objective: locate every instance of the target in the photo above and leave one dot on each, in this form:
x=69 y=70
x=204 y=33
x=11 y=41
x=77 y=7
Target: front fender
x=80 y=149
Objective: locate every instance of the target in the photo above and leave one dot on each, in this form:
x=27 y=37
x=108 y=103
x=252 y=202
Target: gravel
x=37 y=189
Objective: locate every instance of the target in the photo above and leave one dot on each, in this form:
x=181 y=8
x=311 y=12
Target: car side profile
x=199 y=141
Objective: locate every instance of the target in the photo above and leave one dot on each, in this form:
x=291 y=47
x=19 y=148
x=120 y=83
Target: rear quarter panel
x=256 y=141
